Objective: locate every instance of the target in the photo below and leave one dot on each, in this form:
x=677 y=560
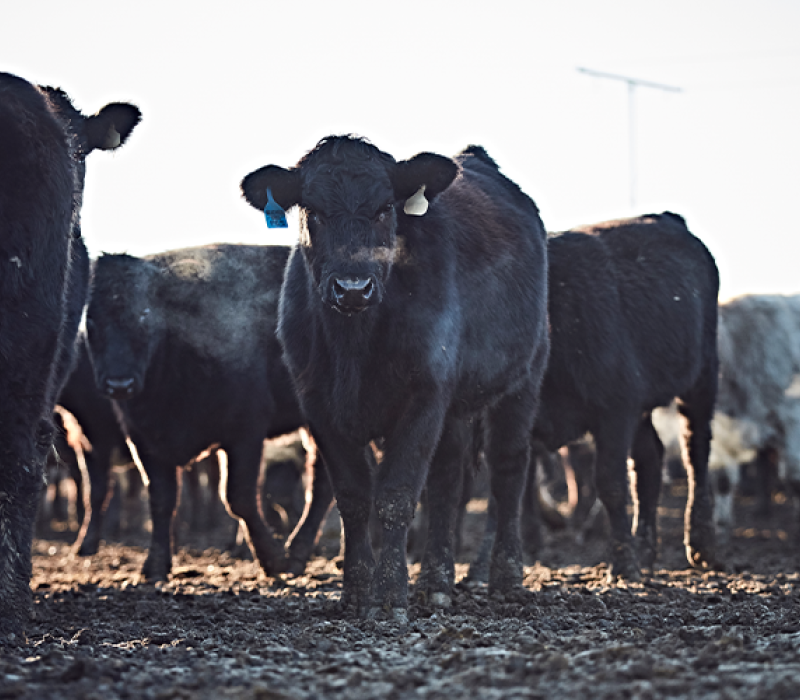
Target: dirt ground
x=220 y=629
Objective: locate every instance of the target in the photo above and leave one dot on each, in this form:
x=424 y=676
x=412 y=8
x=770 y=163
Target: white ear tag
x=416 y=204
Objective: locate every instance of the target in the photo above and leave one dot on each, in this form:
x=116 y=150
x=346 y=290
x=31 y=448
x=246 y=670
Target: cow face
x=104 y=131
x=123 y=325
x=353 y=199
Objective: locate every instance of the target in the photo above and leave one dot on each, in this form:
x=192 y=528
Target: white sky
x=226 y=87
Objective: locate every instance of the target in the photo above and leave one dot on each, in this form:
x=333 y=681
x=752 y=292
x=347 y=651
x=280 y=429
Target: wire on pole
x=633 y=83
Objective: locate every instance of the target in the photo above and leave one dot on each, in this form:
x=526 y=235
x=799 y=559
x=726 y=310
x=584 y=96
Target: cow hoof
x=88 y=550
x=397 y=615
x=293 y=567
x=699 y=559
x=152 y=573
x=624 y=564
x=477 y=574
x=701 y=548
x=506 y=580
x=646 y=553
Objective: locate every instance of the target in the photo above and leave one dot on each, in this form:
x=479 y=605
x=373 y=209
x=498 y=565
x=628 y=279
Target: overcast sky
x=226 y=87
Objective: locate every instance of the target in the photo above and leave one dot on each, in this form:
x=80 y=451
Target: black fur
x=185 y=343
x=448 y=318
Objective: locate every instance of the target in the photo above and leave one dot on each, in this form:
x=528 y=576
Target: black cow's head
x=352 y=197
x=104 y=131
x=123 y=323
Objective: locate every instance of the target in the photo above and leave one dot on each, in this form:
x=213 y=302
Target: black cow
x=415 y=299
x=42 y=293
x=633 y=318
x=185 y=344
x=37 y=186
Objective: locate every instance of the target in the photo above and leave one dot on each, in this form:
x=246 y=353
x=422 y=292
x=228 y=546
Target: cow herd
x=424 y=316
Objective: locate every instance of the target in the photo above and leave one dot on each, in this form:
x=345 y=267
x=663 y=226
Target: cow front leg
x=508 y=450
x=401 y=476
x=242 y=494
x=163 y=493
x=350 y=468
x=445 y=486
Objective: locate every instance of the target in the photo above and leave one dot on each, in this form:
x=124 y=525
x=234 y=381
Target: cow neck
x=350 y=341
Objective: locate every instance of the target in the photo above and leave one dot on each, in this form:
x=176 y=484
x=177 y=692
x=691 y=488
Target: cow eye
x=384 y=213
x=314 y=218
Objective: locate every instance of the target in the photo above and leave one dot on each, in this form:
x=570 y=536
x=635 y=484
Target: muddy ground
x=220 y=629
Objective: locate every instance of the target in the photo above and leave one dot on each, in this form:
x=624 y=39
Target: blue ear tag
x=276 y=217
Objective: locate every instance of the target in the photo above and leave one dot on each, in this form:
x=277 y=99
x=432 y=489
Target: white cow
x=758 y=401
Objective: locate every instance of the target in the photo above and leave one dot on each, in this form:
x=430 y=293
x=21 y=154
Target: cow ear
x=430 y=170
x=284 y=184
x=111 y=126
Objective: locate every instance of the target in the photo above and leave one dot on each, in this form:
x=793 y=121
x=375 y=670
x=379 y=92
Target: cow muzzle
x=119 y=387
x=351 y=295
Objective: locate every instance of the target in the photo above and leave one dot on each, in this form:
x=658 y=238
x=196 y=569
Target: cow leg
x=613 y=439
x=508 y=450
x=21 y=485
x=697 y=406
x=791 y=456
x=724 y=480
x=531 y=515
x=647 y=453
x=301 y=542
x=242 y=495
x=479 y=566
x=98 y=466
x=579 y=459
x=350 y=467
x=401 y=476
x=163 y=493
x=766 y=476
x=445 y=482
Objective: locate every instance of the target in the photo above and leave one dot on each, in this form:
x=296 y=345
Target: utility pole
x=633 y=83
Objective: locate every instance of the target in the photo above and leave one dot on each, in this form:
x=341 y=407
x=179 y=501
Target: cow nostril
x=367 y=291
x=353 y=289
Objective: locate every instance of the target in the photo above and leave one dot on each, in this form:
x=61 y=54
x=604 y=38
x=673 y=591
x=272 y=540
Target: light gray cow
x=758 y=400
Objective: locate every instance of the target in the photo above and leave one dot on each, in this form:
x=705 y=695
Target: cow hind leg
x=95 y=484
x=163 y=493
x=301 y=542
x=613 y=440
x=242 y=494
x=647 y=454
x=697 y=406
